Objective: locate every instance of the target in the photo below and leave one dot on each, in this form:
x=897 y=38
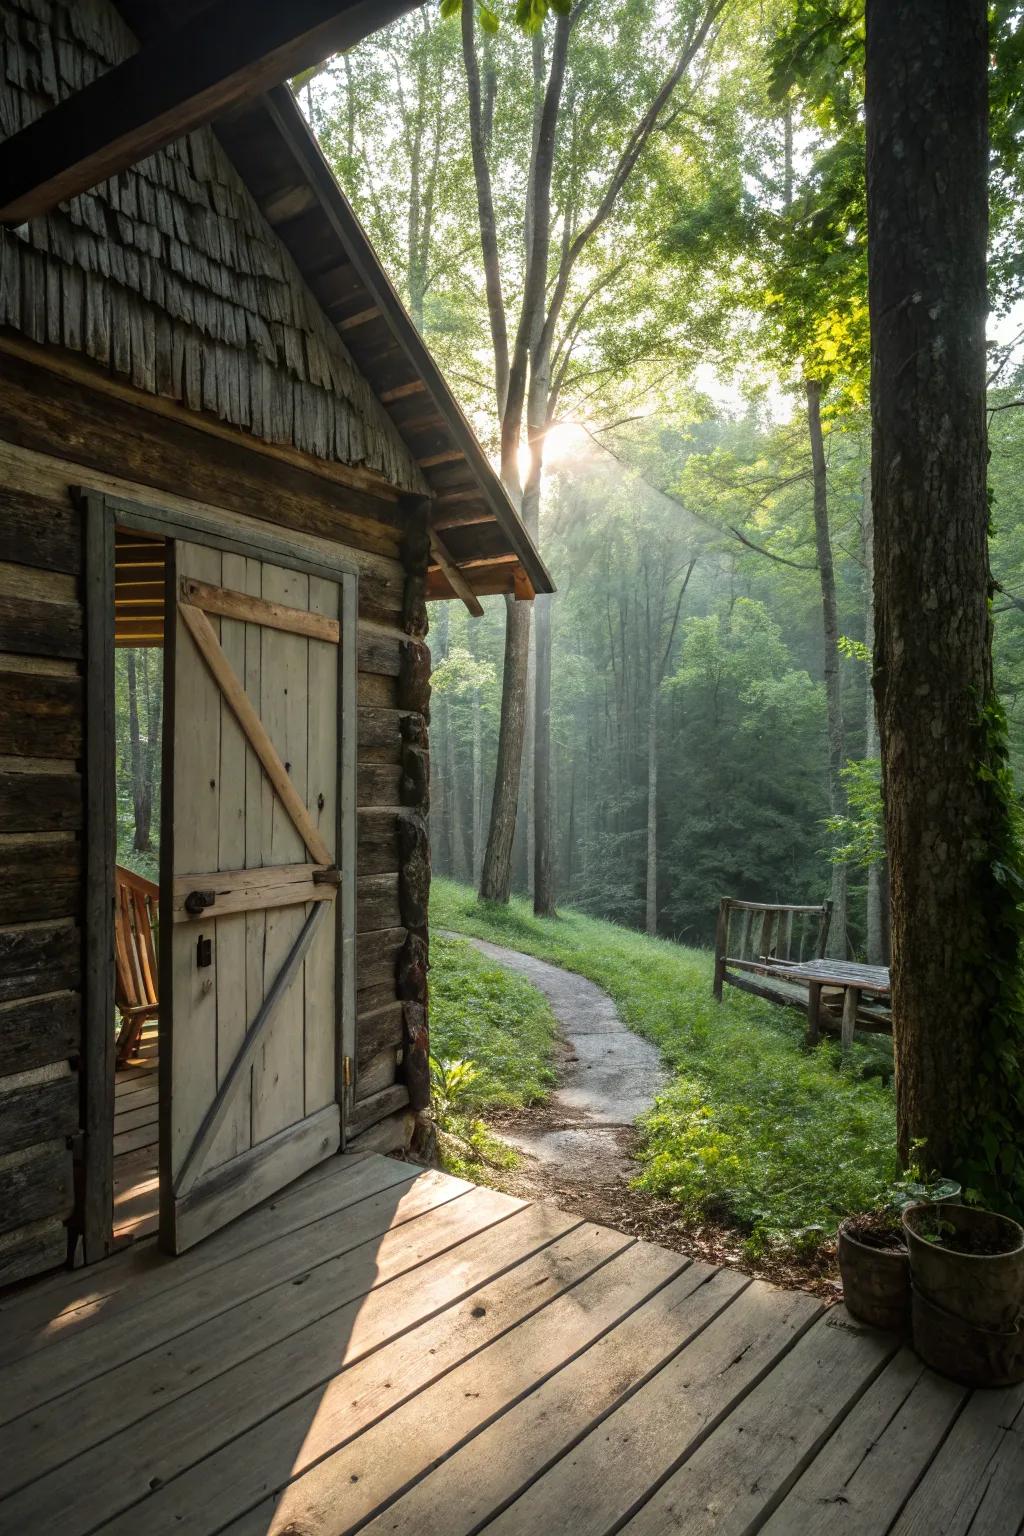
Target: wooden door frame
x=102 y=515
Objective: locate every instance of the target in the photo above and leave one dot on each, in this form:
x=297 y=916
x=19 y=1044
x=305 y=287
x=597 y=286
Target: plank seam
x=810 y=1455
x=115 y=1263
x=716 y=1420
x=500 y=1413
x=599 y=1419
x=224 y=1312
x=212 y=1269
x=315 y=1386
x=931 y=1461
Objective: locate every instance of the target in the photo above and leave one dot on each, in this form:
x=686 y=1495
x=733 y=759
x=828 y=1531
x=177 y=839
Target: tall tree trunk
x=877 y=885
x=543 y=874
x=478 y=790
x=527 y=809
x=496 y=879
x=837 y=947
x=652 y=806
x=440 y=820
x=141 y=803
x=957 y=1025
x=455 y=817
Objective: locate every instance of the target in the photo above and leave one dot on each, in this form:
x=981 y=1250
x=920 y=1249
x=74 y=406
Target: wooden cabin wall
x=56 y=435
x=40 y=871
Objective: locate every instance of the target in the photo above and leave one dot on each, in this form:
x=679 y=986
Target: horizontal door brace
x=252 y=890
x=257 y=610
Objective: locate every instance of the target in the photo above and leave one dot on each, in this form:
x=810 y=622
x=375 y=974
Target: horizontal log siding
x=40 y=873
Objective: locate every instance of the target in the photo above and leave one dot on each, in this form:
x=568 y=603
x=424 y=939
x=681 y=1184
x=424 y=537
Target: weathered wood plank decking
x=394 y=1350
x=136 y=1111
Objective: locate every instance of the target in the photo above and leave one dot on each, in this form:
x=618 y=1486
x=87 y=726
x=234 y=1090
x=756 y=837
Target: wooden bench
x=136 y=923
x=777 y=951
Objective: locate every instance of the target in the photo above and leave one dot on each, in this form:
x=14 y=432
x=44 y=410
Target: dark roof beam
x=183 y=77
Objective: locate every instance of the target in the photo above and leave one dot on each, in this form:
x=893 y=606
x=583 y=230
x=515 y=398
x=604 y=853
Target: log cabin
x=220 y=434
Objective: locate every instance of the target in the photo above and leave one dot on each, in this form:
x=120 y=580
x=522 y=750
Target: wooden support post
x=721 y=947
x=813 y=1013
x=825 y=925
x=769 y=927
x=851 y=1002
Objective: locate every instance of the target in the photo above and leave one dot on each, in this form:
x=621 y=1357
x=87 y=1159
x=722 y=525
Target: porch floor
x=385 y=1348
x=136 y=1113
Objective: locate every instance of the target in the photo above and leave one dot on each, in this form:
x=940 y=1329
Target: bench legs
x=813 y=1012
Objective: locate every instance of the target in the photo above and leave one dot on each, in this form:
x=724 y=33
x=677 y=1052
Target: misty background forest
x=640 y=232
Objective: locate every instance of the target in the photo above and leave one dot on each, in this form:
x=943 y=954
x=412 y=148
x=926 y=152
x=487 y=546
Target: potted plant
x=873 y=1259
x=875 y=1268
x=967 y=1268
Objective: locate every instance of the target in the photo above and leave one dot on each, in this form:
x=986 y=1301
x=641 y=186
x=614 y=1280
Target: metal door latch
x=197 y=902
x=204 y=952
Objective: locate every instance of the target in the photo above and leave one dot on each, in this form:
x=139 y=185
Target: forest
x=635 y=235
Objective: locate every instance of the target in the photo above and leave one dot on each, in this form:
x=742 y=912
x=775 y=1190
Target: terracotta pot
x=876 y=1283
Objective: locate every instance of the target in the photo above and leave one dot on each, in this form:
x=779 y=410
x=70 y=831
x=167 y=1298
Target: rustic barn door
x=251 y=1078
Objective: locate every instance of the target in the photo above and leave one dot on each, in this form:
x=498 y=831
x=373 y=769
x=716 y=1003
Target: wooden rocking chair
x=136 y=920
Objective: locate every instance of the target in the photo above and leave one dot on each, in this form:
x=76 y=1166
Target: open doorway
x=220 y=755
x=139 y=602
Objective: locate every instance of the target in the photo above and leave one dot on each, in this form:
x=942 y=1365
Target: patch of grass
x=501 y=1029
x=754 y=1131
x=483 y=1014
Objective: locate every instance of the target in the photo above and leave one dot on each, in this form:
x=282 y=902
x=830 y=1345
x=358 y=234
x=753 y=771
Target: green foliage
x=746 y=778
x=529 y=15
x=451 y=1083
x=858 y=837
x=753 y=1131
x=148 y=675
x=492 y=1031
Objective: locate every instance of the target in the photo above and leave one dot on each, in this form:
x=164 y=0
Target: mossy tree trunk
x=955 y=946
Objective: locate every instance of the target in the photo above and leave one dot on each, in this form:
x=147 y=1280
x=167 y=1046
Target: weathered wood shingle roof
x=227 y=272
x=169 y=276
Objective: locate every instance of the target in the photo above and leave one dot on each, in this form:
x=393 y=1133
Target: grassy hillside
x=754 y=1131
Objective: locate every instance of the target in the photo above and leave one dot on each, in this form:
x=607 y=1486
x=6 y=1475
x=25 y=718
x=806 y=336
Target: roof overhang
x=203 y=60
x=479 y=540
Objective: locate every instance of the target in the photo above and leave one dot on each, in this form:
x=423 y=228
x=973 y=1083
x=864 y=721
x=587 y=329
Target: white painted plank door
x=249 y=1034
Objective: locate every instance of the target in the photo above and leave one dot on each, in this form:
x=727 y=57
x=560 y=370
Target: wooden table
x=852 y=978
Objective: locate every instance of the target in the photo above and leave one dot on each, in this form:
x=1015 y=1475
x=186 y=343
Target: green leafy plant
x=451 y=1084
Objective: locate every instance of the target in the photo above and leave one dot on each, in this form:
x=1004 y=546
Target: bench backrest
x=755 y=930
x=752 y=932
x=136 y=918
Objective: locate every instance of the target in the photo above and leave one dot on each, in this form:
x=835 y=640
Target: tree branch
x=485 y=207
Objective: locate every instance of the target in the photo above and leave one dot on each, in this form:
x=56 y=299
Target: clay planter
x=968 y=1312
x=876 y=1282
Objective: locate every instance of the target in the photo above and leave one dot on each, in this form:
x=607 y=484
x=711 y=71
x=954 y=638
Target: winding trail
x=607 y=1077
